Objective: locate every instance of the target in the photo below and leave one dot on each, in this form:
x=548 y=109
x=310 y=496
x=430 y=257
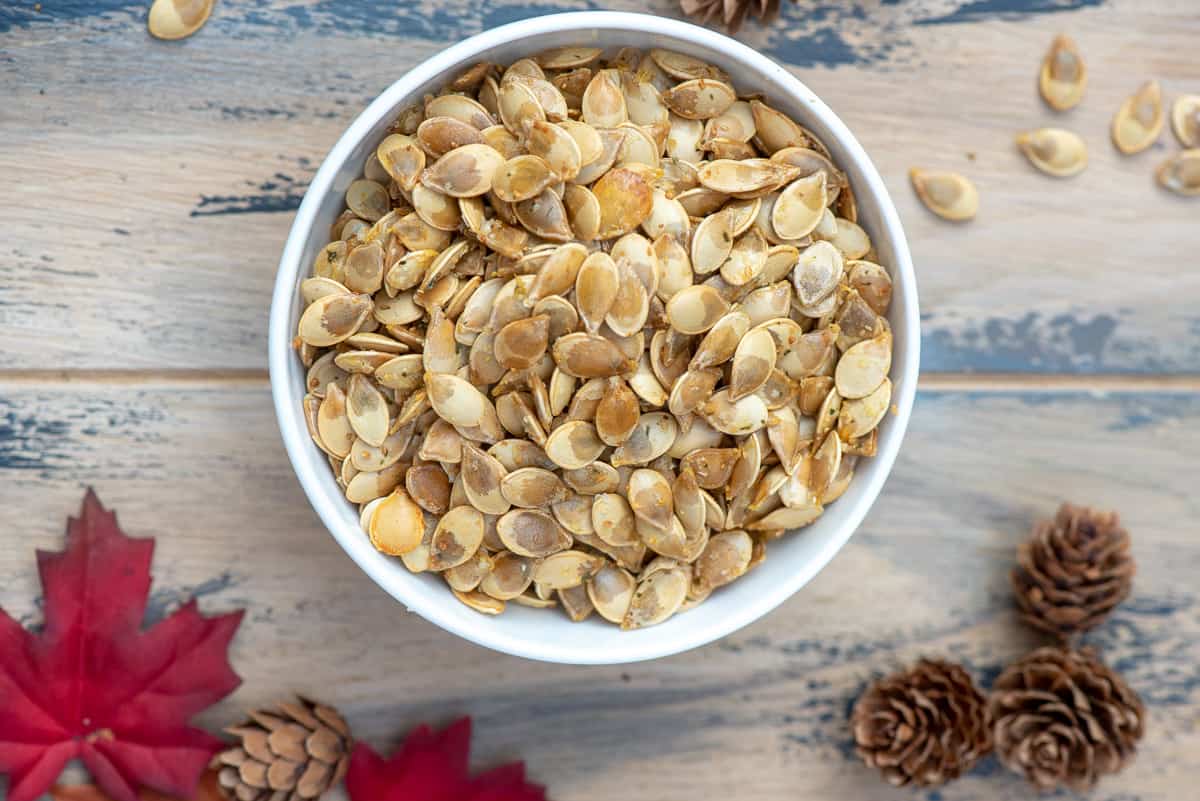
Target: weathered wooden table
x=148 y=188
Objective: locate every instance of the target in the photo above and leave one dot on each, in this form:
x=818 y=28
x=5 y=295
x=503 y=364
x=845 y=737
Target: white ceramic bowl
x=792 y=560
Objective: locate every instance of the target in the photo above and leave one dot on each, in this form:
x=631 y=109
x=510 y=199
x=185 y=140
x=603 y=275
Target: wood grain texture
x=759 y=715
x=150 y=185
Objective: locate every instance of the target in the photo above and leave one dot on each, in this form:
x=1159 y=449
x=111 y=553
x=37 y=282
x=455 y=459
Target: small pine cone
x=1073 y=571
x=925 y=726
x=294 y=752
x=732 y=12
x=1064 y=718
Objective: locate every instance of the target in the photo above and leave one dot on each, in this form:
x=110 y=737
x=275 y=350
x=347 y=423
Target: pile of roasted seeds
x=591 y=332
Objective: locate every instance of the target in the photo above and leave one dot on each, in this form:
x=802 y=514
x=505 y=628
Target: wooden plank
x=761 y=714
x=150 y=185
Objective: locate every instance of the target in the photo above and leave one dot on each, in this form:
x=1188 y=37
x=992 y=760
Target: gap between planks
x=929 y=382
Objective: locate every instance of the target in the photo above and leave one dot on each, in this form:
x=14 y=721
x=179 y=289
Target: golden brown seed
x=617 y=414
x=510 y=576
x=464 y=172
x=625 y=199
x=825 y=463
x=522 y=178
x=798 y=209
x=1139 y=120
x=177 y=19
x=603 y=104
x=726 y=557
x=460 y=107
x=650 y=498
x=872 y=283
x=481 y=476
x=691 y=389
x=435 y=209
x=1181 y=173
x=333 y=424
x=731 y=176
x=403 y=159
x=596 y=287
x=467 y=576
x=440 y=135
x=366 y=410
x=333 y=318
x=521 y=343
x=818 y=272
x=747 y=259
x=696 y=309
x=575 y=602
x=1063 y=77
x=699 y=98
x=947 y=194
x=561 y=58
x=613 y=520
x=583 y=212
x=365 y=487
x=456 y=539
x=429 y=487
x=775 y=130
x=631 y=306
x=721 y=341
x=397 y=524
x=611 y=591
x=682 y=67
x=656 y=598
x=518 y=105
x=532 y=533
x=710 y=466
x=1185 y=120
x=863 y=367
x=566 y=569
x=753 y=362
x=859 y=417
x=545 y=216
x=589 y=356
x=455 y=400
x=653 y=436
x=403 y=373
x=368 y=199
x=740 y=417
x=557 y=273
x=574 y=444
x=533 y=488
x=1054 y=151
x=556 y=147
x=479 y=602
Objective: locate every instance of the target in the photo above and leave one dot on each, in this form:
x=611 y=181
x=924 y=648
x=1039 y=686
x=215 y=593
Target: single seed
x=947 y=194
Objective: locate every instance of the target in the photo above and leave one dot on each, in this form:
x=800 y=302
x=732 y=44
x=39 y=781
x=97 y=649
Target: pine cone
x=294 y=752
x=926 y=726
x=1063 y=717
x=732 y=12
x=1073 y=571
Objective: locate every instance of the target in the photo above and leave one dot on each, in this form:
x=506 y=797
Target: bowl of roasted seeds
x=595 y=337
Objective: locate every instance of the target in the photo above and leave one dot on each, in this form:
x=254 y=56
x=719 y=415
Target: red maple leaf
x=92 y=684
x=432 y=766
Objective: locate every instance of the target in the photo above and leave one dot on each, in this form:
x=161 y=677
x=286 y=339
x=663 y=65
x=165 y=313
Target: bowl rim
x=290 y=269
